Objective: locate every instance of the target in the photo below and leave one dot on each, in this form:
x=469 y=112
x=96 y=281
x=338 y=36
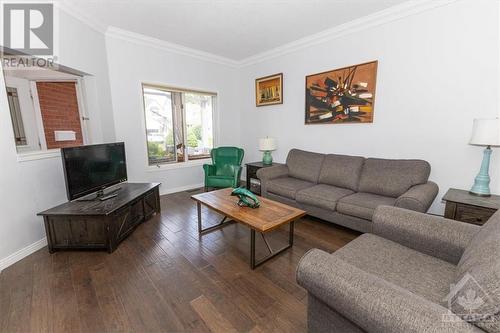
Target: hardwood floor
x=165 y=278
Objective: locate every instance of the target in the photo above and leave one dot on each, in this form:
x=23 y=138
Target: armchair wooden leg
x=205 y=189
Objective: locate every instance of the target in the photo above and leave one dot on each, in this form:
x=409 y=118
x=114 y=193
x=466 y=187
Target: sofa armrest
x=370 y=302
x=419 y=197
x=266 y=174
x=269 y=173
x=436 y=236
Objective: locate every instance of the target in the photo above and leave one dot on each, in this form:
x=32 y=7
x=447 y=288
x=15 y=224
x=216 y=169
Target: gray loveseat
x=347 y=189
x=399 y=278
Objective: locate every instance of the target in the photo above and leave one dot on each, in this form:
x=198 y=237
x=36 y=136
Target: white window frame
x=215 y=126
x=38 y=111
x=43 y=152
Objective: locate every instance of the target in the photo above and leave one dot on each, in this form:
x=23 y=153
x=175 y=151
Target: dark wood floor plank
x=21 y=292
x=178 y=292
x=219 y=297
x=113 y=312
x=91 y=318
x=166 y=278
x=214 y=319
x=64 y=316
x=5 y=300
x=41 y=303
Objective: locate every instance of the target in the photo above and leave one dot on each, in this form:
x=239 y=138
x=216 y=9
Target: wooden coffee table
x=269 y=216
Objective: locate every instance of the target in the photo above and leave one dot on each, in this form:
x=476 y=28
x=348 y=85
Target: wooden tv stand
x=101 y=224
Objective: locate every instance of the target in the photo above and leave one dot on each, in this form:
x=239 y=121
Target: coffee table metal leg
x=220 y=225
x=253 y=262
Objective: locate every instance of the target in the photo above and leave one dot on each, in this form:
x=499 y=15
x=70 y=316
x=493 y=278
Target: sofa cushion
x=363 y=205
x=287 y=186
x=341 y=170
x=392 y=177
x=322 y=195
x=479 y=270
x=419 y=273
x=304 y=165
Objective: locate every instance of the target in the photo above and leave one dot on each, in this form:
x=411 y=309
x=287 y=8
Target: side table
x=468 y=208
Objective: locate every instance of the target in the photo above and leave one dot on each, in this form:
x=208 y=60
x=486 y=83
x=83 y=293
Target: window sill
x=181 y=165
x=38 y=155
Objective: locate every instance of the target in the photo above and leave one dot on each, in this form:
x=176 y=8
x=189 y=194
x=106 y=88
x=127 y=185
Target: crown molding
x=405 y=9
x=390 y=14
x=76 y=13
x=160 y=44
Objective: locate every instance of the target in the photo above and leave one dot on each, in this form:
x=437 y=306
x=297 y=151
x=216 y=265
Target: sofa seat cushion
x=321 y=195
x=220 y=181
x=287 y=186
x=363 y=205
x=419 y=273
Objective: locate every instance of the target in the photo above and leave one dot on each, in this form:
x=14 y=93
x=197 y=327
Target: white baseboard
x=22 y=253
x=164 y=191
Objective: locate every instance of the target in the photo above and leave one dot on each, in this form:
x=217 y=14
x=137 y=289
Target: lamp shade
x=267 y=144
x=486 y=132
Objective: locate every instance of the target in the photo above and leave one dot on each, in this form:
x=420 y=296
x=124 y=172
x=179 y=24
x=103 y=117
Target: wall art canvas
x=344 y=95
x=269 y=90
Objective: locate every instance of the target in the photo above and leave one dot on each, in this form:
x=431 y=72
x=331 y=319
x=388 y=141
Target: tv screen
x=92 y=168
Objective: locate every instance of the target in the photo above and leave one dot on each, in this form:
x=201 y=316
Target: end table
x=465 y=207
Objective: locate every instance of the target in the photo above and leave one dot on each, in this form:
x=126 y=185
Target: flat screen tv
x=93 y=168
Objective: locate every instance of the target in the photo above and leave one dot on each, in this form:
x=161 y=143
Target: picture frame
x=269 y=90
x=342 y=95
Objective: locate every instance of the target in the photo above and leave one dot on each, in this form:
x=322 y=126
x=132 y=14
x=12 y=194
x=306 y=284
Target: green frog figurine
x=247 y=198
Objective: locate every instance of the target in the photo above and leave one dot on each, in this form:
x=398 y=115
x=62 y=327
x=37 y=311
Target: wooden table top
x=464 y=197
x=127 y=192
x=270 y=215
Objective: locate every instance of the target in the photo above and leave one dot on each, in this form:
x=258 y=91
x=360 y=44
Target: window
x=179 y=124
x=44 y=114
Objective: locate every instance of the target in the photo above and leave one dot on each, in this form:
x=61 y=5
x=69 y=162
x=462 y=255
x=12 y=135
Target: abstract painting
x=344 y=95
x=269 y=90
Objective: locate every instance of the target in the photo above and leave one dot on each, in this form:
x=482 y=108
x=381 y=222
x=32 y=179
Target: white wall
x=437 y=71
x=29 y=187
x=130 y=64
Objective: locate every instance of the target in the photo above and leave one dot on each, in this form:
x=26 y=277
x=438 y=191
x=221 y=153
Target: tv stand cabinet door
x=76 y=232
x=152 y=203
x=123 y=222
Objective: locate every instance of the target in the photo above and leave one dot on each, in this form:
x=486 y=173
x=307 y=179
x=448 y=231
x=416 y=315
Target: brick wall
x=59 y=107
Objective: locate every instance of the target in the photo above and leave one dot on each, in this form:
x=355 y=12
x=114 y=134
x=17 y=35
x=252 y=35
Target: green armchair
x=225 y=169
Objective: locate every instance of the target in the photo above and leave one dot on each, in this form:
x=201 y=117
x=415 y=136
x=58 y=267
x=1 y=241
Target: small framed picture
x=269 y=90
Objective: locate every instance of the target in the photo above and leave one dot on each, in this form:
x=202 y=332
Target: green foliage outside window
x=194 y=136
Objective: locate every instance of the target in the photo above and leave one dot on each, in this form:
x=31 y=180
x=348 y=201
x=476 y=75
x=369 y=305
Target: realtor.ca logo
x=469 y=301
x=29 y=27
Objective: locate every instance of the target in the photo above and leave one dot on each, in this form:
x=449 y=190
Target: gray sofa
x=415 y=273
x=346 y=189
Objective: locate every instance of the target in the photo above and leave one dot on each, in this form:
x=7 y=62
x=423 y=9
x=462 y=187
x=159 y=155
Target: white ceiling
x=234 y=29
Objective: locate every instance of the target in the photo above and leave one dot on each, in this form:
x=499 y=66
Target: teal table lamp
x=267 y=145
x=485 y=132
